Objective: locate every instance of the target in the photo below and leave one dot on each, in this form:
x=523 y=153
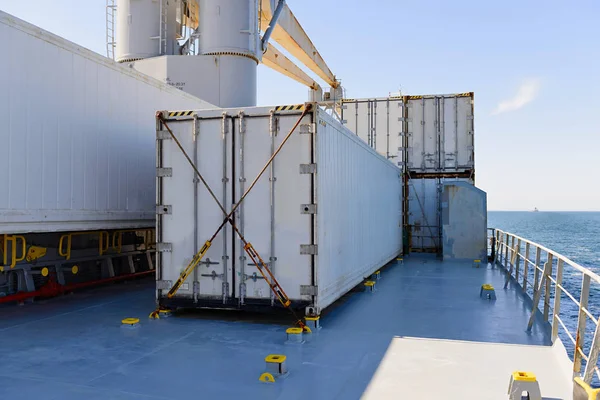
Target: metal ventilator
x=266 y=273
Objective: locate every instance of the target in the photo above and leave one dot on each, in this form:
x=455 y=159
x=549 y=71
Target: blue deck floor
x=75 y=347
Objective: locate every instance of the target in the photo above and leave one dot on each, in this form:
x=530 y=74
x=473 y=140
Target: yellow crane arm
x=276 y=60
x=289 y=34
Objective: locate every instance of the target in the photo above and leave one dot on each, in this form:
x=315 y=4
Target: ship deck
x=424 y=333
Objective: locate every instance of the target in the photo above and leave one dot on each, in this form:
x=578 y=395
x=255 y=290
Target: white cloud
x=526 y=94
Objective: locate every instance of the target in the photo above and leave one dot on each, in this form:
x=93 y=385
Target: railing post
x=518 y=260
x=505 y=250
x=526 y=267
x=580 y=338
x=557 y=292
x=593 y=357
x=493 y=255
x=537 y=296
x=500 y=248
x=547 y=288
x=536 y=280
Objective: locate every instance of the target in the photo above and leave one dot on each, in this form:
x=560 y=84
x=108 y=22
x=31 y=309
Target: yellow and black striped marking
x=468 y=94
x=293 y=107
x=174 y=114
x=348 y=100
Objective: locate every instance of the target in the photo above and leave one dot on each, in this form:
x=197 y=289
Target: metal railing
x=540 y=271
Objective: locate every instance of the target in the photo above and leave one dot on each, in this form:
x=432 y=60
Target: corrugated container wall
x=77 y=137
x=326 y=214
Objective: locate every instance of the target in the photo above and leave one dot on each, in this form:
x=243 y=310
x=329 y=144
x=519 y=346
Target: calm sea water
x=575 y=235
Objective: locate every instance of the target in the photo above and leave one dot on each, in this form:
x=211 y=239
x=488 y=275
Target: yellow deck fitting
x=266 y=377
x=130 y=321
x=377 y=274
x=74 y=269
x=276 y=364
x=487 y=292
x=521 y=381
x=294 y=335
x=370 y=285
x=313 y=323
x=35 y=252
x=275 y=358
x=583 y=391
x=45 y=271
x=400 y=260
x=524 y=376
x=476 y=263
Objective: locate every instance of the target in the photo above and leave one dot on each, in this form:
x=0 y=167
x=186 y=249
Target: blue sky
x=534 y=67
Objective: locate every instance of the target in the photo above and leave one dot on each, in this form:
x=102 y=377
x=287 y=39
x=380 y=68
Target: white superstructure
x=211 y=48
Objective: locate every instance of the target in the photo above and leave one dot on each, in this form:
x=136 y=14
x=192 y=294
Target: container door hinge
x=308 y=290
x=308 y=208
x=307 y=128
x=308 y=168
x=164 y=247
x=163 y=135
x=310 y=249
x=164 y=172
x=163 y=209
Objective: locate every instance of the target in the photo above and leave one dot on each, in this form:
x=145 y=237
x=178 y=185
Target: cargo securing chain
x=250 y=250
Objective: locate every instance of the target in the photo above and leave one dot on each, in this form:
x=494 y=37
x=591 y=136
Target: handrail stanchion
x=538 y=260
x=581 y=322
x=526 y=267
x=557 y=292
x=548 y=288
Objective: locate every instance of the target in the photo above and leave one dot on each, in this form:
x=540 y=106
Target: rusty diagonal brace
x=250 y=250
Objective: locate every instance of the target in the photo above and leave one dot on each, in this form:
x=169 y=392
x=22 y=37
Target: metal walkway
x=75 y=347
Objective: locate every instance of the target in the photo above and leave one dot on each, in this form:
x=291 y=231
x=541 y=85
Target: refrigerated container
x=325 y=216
x=431 y=133
x=440 y=133
x=77 y=148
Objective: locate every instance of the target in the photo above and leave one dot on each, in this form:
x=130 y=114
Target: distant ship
x=535 y=209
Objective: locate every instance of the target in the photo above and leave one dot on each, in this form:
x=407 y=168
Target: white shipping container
x=325 y=215
x=378 y=122
x=439 y=129
x=77 y=147
x=440 y=133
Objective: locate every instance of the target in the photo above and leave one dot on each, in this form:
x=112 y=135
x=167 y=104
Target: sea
x=575 y=235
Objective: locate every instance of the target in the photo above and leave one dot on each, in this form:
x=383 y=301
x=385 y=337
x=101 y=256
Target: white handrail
x=506 y=248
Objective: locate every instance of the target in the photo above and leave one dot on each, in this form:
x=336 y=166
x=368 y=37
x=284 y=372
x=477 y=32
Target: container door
x=424 y=215
x=189 y=215
x=387 y=127
x=272 y=217
x=424 y=134
x=458 y=133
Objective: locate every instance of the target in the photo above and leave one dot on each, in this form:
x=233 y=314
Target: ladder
x=111 y=11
